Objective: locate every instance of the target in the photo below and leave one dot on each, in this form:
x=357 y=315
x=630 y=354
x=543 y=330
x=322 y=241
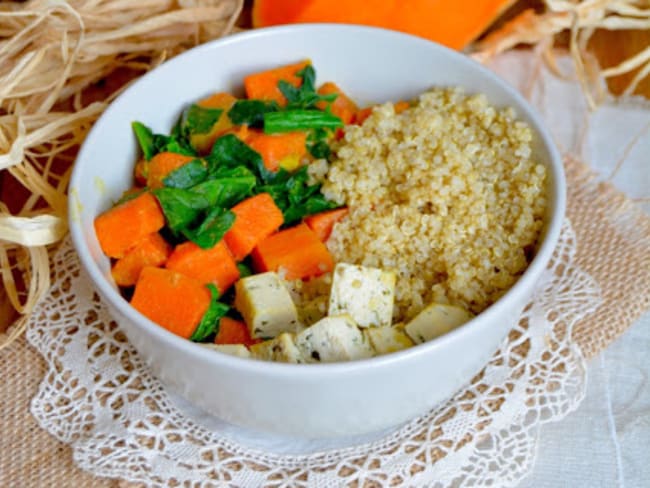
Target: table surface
x=604 y=443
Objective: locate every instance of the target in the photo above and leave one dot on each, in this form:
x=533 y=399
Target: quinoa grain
x=447 y=194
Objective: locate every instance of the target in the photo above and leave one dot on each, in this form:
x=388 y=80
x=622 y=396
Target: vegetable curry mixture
x=262 y=226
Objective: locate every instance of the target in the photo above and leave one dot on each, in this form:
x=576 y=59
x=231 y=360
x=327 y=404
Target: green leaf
x=251 y=112
x=129 y=195
x=295 y=197
x=199 y=120
x=175 y=144
x=312 y=205
x=318 y=143
x=145 y=138
x=244 y=270
x=304 y=96
x=308 y=75
x=190 y=174
x=152 y=144
x=209 y=324
x=228 y=189
x=228 y=151
x=181 y=207
x=319 y=150
x=216 y=223
x=290 y=92
x=292 y=120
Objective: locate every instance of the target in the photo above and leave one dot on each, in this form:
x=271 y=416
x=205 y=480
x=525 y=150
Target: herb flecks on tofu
x=367 y=294
x=387 y=339
x=334 y=338
x=282 y=349
x=266 y=305
x=435 y=320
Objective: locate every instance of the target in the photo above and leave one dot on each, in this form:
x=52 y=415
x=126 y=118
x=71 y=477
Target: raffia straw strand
x=580 y=19
x=51 y=52
x=641 y=74
x=628 y=65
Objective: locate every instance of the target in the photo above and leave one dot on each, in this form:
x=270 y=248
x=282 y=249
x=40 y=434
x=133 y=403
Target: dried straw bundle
x=50 y=52
x=580 y=18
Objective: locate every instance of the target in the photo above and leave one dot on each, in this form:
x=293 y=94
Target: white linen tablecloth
x=606 y=442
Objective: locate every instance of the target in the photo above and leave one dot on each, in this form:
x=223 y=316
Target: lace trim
x=99 y=397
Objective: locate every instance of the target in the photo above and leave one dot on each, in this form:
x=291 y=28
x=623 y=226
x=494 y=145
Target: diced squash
x=140 y=172
x=322 y=223
x=215 y=265
x=172 y=300
x=152 y=250
x=123 y=226
x=361 y=116
x=264 y=85
x=223 y=101
x=343 y=107
x=233 y=331
x=162 y=164
x=242 y=132
x=279 y=150
x=400 y=106
x=296 y=253
x=255 y=219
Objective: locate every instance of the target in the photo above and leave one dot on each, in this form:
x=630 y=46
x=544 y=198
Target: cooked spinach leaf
x=209 y=324
x=313 y=204
x=215 y=224
x=291 y=120
x=174 y=143
x=190 y=174
x=229 y=187
x=181 y=207
x=199 y=120
x=251 y=112
x=229 y=152
x=244 y=270
x=317 y=143
x=304 y=96
x=145 y=138
x=294 y=196
x=130 y=195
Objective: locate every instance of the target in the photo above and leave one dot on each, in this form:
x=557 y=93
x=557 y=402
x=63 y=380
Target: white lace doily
x=99 y=397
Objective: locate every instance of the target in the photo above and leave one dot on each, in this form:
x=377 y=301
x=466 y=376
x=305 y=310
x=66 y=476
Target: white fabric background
x=606 y=442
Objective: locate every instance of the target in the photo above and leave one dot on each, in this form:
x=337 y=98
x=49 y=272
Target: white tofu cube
x=232 y=349
x=333 y=339
x=266 y=305
x=387 y=339
x=367 y=294
x=435 y=320
x=281 y=349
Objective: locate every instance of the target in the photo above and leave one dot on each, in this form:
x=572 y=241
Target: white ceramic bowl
x=373 y=65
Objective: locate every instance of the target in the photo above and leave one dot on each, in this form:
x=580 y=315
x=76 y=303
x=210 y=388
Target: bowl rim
x=494 y=312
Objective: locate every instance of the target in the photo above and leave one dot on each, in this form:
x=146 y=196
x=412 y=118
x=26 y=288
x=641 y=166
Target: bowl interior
x=371 y=65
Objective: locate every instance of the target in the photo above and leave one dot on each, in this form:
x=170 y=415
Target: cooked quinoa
x=446 y=193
